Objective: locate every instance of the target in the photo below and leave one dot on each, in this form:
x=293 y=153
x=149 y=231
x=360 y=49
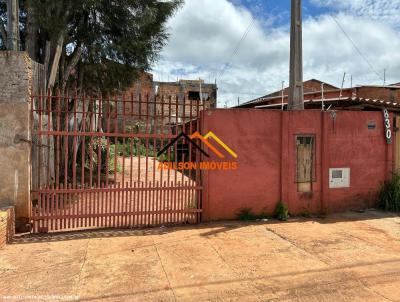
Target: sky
x=243 y=45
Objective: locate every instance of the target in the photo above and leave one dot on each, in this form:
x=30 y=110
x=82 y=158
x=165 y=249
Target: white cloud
x=386 y=11
x=205 y=32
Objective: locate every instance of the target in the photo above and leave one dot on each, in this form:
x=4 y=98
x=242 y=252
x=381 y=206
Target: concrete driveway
x=347 y=257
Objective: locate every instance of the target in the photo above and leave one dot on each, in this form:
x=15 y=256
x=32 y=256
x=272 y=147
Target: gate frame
x=49 y=213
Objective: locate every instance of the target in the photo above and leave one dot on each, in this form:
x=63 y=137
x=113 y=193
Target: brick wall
x=389 y=94
x=142 y=89
x=183 y=90
x=145 y=88
x=7 y=225
x=308 y=86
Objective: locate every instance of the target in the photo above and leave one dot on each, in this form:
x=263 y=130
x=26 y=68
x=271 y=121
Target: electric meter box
x=339 y=177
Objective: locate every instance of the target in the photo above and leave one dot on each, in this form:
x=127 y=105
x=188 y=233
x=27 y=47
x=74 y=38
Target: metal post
x=296 y=97
x=283 y=84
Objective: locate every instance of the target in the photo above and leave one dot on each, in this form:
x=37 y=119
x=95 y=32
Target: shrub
x=305 y=214
x=281 y=211
x=389 y=195
x=113 y=160
x=263 y=214
x=245 y=214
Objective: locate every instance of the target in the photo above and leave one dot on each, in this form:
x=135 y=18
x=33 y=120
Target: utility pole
x=296 y=97
x=12 y=25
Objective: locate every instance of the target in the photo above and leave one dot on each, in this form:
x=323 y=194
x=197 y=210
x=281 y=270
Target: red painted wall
x=264 y=141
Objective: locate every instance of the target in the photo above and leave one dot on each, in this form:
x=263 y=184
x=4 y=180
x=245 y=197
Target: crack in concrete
x=165 y=272
x=297 y=246
x=374 y=291
x=81 y=269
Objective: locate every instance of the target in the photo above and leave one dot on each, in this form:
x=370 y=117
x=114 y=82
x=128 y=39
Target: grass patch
x=247 y=214
x=305 y=214
x=389 y=195
x=281 y=211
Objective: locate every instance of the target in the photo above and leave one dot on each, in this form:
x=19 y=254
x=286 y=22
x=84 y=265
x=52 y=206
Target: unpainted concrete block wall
x=15 y=84
x=7 y=225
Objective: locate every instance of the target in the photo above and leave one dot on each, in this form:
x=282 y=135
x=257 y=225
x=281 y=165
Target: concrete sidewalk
x=347 y=257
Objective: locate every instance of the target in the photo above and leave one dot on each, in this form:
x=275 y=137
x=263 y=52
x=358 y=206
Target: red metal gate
x=95 y=163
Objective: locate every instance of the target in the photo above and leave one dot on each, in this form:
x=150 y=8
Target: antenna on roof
x=384 y=77
x=341 y=87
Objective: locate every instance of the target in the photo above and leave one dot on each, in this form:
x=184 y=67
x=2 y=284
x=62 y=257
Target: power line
x=235 y=51
x=356 y=48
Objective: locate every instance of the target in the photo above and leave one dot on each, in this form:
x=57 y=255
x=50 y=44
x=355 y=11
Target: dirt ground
x=346 y=257
x=147 y=171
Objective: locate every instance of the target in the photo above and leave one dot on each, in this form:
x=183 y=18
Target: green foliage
x=128 y=147
x=247 y=214
x=118 y=39
x=389 y=195
x=305 y=214
x=281 y=211
x=113 y=165
x=164 y=158
x=3 y=20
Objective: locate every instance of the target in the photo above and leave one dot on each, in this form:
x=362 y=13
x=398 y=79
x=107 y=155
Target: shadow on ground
x=217 y=227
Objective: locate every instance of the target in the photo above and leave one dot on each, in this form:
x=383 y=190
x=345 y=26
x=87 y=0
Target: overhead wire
x=236 y=50
x=356 y=47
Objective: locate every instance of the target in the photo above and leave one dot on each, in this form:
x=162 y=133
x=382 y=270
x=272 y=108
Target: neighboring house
x=309 y=86
x=184 y=96
x=196 y=94
x=362 y=97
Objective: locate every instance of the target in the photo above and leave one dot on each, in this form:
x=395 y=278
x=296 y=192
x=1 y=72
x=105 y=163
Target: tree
x=97 y=45
x=91 y=45
x=12 y=25
x=3 y=24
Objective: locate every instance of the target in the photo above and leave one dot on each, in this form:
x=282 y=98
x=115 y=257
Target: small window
x=194 y=95
x=305 y=166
